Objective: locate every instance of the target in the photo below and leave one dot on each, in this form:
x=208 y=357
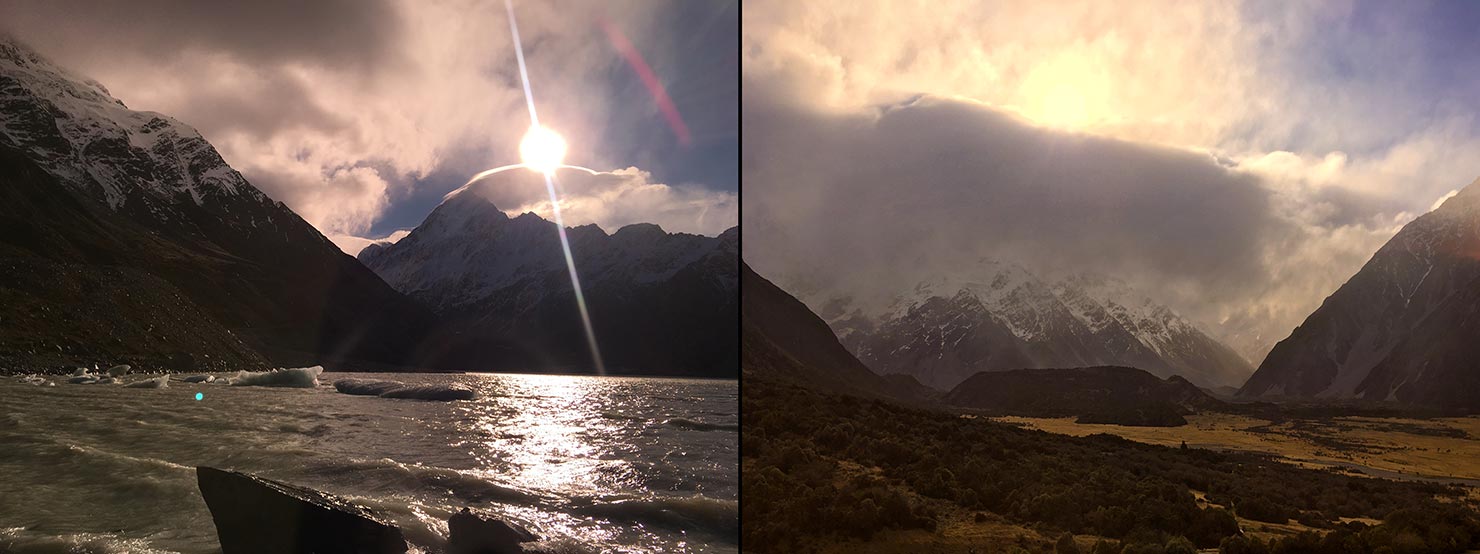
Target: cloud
x=1240 y=163
x=354 y=33
x=613 y=199
x=342 y=108
x=352 y=245
x=869 y=202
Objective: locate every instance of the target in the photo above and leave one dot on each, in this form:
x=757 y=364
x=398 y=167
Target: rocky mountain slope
x=659 y=302
x=997 y=316
x=146 y=227
x=1405 y=328
x=783 y=340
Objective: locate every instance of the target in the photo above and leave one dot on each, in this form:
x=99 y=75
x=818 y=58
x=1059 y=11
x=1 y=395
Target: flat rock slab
x=256 y=515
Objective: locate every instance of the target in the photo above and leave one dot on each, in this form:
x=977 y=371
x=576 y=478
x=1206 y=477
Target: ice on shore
x=301 y=377
x=397 y=389
x=163 y=381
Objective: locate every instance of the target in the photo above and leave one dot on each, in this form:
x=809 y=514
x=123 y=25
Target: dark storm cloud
x=906 y=190
x=339 y=33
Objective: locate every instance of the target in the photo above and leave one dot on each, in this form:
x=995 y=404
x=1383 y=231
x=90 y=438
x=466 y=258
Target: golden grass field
x=1411 y=447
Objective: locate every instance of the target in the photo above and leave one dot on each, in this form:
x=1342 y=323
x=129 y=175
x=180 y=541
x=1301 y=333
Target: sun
x=1067 y=92
x=542 y=149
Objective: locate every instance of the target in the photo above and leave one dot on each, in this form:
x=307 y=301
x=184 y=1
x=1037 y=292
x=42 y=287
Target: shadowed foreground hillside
x=819 y=470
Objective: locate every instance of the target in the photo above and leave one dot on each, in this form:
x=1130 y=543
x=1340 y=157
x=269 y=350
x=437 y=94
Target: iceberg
x=397 y=389
x=366 y=387
x=301 y=377
x=160 y=382
x=431 y=392
x=120 y=370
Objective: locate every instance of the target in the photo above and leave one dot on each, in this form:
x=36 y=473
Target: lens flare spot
x=199 y=396
x=542 y=149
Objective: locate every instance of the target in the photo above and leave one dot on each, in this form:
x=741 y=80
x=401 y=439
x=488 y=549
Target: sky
x=1237 y=161
x=361 y=115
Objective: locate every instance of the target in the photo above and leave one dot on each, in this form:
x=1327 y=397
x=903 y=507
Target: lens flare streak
x=570 y=263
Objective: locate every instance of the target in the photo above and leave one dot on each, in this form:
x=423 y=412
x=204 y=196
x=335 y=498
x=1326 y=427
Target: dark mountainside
x=660 y=302
x=124 y=237
x=783 y=340
x=1102 y=393
x=1404 y=328
x=822 y=468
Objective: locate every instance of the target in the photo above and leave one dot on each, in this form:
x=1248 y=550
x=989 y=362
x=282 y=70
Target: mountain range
x=999 y=316
x=126 y=238
x=660 y=302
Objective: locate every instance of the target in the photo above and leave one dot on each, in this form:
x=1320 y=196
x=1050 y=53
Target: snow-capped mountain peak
x=999 y=315
x=105 y=149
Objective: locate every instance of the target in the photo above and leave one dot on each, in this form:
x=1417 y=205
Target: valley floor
x=1440 y=450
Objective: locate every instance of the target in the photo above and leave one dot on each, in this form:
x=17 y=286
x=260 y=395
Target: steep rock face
x=659 y=302
x=1403 y=328
x=783 y=340
x=1001 y=316
x=142 y=191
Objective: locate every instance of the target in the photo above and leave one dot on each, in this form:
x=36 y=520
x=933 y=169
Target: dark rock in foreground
x=470 y=533
x=255 y=515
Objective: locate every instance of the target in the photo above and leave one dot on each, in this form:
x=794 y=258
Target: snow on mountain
x=94 y=143
x=1402 y=328
x=101 y=190
x=998 y=315
x=505 y=279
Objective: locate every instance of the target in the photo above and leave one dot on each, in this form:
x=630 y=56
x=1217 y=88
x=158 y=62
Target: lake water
x=591 y=464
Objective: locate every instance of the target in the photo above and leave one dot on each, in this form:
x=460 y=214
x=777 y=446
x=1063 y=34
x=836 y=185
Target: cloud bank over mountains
x=345 y=110
x=1239 y=165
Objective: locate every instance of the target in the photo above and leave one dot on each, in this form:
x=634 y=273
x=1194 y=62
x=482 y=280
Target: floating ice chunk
x=431 y=392
x=397 y=389
x=301 y=377
x=119 y=370
x=107 y=381
x=366 y=387
x=163 y=381
x=199 y=379
x=84 y=379
x=81 y=371
x=35 y=380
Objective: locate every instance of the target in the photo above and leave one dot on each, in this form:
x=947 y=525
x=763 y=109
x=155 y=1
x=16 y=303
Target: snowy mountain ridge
x=503 y=280
x=998 y=315
x=121 y=204
x=108 y=151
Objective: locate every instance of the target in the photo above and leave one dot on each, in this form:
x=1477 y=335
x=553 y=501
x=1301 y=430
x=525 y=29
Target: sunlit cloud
x=1342 y=133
